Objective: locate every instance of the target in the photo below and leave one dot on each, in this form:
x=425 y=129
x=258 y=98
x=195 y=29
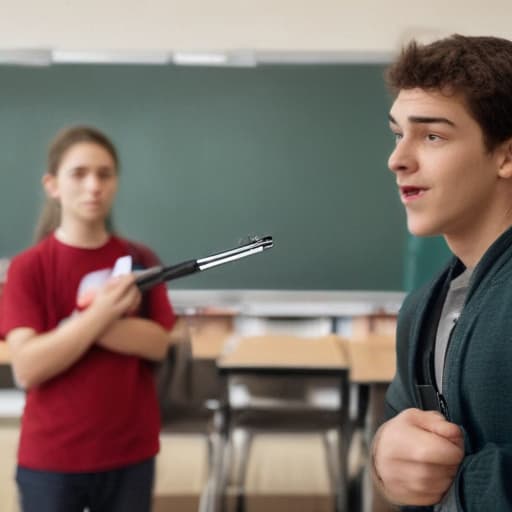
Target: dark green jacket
x=477 y=383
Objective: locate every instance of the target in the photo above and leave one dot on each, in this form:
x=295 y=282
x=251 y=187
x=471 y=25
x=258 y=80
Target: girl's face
x=85 y=183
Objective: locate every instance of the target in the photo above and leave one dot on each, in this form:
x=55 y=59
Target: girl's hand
x=119 y=295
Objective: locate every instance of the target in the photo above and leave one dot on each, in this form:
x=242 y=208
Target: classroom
x=235 y=121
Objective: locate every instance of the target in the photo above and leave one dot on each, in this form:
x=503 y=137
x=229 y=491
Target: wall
x=276 y=25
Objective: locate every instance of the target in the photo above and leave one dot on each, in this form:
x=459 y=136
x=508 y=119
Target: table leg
x=372 y=499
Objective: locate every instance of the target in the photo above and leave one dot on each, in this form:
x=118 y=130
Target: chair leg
x=211 y=495
x=336 y=453
x=242 y=463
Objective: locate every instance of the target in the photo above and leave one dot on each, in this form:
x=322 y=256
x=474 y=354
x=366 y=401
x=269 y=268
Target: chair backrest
x=279 y=391
x=186 y=388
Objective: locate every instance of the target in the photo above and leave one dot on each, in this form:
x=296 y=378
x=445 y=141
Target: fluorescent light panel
x=26 y=57
x=233 y=58
x=200 y=58
x=110 y=57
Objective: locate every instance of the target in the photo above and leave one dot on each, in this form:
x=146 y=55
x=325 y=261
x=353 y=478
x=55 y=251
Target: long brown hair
x=49 y=218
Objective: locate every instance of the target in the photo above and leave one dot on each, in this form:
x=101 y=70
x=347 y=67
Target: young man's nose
x=402 y=159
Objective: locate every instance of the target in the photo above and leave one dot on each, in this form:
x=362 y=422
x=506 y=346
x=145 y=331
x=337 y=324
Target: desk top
x=4 y=353
x=372 y=359
x=282 y=352
x=208 y=336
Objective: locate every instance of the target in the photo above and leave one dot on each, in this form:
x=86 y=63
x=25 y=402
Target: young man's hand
x=416 y=456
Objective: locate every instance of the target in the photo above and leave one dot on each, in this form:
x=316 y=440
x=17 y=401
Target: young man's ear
x=505 y=169
x=50 y=186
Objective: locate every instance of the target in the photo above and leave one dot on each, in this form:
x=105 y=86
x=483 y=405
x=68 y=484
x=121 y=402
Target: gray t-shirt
x=452 y=308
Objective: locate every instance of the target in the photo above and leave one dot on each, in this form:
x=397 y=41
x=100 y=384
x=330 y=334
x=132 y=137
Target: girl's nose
x=93 y=182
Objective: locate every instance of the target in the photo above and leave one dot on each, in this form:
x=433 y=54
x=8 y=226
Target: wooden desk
x=284 y=356
x=6 y=378
x=282 y=353
x=4 y=353
x=209 y=334
x=372 y=359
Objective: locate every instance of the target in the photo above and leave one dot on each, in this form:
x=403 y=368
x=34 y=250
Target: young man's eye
x=433 y=138
x=397 y=136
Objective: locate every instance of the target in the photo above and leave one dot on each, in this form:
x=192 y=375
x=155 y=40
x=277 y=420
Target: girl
x=90 y=427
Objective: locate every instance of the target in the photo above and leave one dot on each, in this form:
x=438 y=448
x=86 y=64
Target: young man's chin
x=422 y=230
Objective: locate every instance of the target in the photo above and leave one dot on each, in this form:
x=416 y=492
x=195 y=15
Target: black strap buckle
x=431 y=399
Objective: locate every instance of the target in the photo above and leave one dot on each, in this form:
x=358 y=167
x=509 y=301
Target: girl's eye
x=433 y=138
x=106 y=174
x=398 y=136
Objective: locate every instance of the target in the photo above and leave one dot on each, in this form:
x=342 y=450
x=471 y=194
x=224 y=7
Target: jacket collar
x=491 y=262
x=432 y=296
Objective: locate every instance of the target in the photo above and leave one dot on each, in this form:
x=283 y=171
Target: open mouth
x=411 y=192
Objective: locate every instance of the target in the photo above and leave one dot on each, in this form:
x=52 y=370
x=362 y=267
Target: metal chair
x=298 y=400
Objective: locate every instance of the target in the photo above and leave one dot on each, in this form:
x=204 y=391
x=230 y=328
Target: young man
x=447 y=444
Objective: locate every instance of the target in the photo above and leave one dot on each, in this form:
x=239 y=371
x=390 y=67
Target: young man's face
x=447 y=179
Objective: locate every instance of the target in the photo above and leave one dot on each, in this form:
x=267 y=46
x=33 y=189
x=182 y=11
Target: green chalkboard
x=425 y=258
x=212 y=155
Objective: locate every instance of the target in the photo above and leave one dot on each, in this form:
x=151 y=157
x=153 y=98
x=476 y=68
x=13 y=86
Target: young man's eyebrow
x=424 y=120
x=392 y=119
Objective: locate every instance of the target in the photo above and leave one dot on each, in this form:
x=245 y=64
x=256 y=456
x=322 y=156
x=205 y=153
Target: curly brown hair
x=478 y=68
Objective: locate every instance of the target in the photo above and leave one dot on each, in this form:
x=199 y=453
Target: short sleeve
x=159 y=307
x=22 y=296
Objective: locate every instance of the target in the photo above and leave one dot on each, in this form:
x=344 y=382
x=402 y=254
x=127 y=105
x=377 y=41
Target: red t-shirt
x=102 y=412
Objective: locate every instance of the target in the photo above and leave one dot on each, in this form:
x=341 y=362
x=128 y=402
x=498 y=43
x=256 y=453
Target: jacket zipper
x=443 y=405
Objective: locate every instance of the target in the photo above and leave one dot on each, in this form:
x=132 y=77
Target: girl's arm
x=143 y=338
x=39 y=357
x=137 y=337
